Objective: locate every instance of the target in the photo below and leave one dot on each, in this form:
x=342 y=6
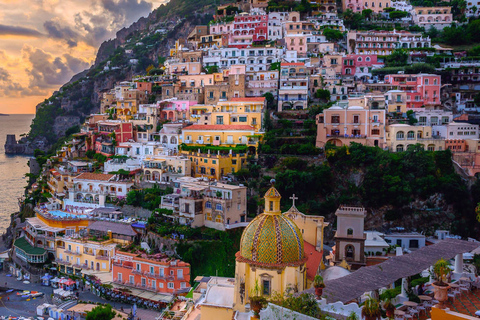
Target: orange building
x=155 y=273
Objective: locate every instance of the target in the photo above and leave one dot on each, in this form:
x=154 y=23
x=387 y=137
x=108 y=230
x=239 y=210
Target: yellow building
x=92 y=250
x=200 y=113
x=241 y=111
x=402 y=136
x=397 y=101
x=221 y=135
x=214 y=164
x=79 y=254
x=271 y=255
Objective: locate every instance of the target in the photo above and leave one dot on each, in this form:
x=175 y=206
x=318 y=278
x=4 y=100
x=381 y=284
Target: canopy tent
x=371 y=278
x=69 y=282
x=62 y=293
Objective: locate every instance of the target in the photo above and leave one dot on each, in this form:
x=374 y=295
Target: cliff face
x=80 y=97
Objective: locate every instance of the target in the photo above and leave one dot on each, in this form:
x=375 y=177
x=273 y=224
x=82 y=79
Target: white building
x=375 y=242
x=169 y=136
x=162 y=169
x=407 y=241
x=401 y=6
x=127 y=164
x=91 y=190
x=275 y=24
x=457 y=130
x=255 y=59
x=433 y=117
x=261 y=82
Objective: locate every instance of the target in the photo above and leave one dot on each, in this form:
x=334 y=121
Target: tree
x=388 y=9
x=101 y=313
x=267 y=122
x=476 y=99
x=398 y=14
x=398 y=58
x=322 y=94
x=270 y=100
x=211 y=69
x=332 y=35
x=367 y=13
x=474 y=9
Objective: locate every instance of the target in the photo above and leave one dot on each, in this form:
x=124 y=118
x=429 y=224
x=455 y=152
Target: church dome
x=272 y=239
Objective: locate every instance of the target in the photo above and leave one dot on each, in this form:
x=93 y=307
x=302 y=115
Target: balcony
x=63 y=262
x=100 y=257
x=73 y=252
x=137 y=272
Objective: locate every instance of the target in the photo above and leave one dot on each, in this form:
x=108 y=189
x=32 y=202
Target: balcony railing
x=101 y=257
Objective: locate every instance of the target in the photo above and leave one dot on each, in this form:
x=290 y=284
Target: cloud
x=19 y=31
x=125 y=11
x=47 y=72
x=56 y=30
x=8 y=87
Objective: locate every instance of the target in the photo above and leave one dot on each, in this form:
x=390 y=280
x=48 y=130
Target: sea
x=12 y=167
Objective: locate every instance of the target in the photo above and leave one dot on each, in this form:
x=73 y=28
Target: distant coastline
x=4 y=115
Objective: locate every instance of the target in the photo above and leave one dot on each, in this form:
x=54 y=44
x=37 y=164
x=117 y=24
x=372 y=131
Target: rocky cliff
x=69 y=106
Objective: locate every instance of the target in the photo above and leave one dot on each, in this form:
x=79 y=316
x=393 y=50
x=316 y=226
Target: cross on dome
x=293 y=198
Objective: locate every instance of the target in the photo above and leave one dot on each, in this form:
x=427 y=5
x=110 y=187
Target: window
x=410 y=135
x=350 y=232
x=400 y=148
x=152 y=270
x=426 y=82
x=138 y=267
x=131 y=279
x=356 y=119
x=162 y=272
x=400 y=135
x=242 y=119
x=219 y=119
x=375 y=132
x=119 y=276
x=399 y=242
x=170 y=285
x=335 y=119
x=180 y=274
x=69 y=247
x=266 y=287
x=413 y=244
x=271 y=205
x=218 y=207
x=208 y=205
x=349 y=251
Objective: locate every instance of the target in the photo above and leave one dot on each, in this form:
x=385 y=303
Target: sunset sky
x=43 y=43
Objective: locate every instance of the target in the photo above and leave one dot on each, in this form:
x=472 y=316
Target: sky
x=43 y=43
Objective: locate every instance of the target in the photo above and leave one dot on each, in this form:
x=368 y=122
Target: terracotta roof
x=292 y=64
x=314 y=259
x=219 y=127
x=259 y=99
x=95 y=176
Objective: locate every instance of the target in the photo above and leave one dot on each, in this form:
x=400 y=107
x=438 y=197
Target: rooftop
x=219 y=127
x=95 y=176
x=23 y=244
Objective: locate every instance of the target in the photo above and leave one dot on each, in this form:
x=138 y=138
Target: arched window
x=349 y=251
x=173 y=140
x=208 y=205
x=164 y=139
x=400 y=135
x=400 y=148
x=410 y=135
x=350 y=232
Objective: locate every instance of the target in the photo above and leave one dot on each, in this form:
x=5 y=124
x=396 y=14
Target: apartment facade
x=422 y=89
x=153 y=273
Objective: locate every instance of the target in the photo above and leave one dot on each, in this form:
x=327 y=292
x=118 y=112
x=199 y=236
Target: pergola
x=371 y=278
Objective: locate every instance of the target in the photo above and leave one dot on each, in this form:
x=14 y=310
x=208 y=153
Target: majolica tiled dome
x=272 y=239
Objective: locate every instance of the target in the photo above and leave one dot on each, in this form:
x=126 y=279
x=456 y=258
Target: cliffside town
x=209 y=162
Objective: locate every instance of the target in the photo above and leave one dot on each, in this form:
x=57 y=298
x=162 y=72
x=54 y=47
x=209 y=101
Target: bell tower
x=350 y=236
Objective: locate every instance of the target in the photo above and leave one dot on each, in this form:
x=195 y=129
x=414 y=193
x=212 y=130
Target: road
x=13 y=305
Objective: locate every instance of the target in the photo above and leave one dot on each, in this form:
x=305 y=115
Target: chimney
x=110 y=236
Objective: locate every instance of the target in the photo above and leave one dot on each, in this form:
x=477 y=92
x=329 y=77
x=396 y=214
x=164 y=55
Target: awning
x=371 y=278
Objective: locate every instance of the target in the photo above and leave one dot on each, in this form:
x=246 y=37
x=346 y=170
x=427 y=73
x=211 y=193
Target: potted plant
x=389 y=308
x=257 y=300
x=441 y=270
x=318 y=285
x=352 y=316
x=371 y=309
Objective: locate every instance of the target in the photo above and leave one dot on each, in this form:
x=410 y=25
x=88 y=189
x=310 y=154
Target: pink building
x=298 y=43
x=175 y=110
x=360 y=64
x=342 y=125
x=221 y=28
x=422 y=89
x=248 y=28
